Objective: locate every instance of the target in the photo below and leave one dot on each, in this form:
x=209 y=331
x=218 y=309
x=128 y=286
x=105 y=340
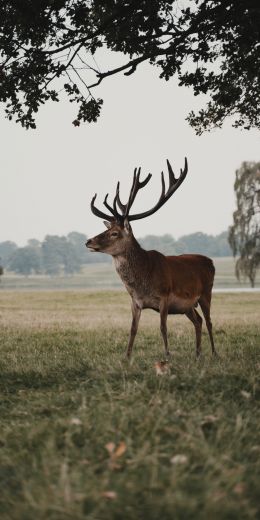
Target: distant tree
x=220 y=245
x=33 y=242
x=52 y=254
x=1 y=271
x=7 y=249
x=165 y=243
x=49 y=46
x=25 y=260
x=193 y=243
x=244 y=235
x=78 y=240
x=59 y=255
x=204 y=244
x=71 y=260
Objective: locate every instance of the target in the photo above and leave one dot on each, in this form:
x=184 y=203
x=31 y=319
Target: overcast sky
x=49 y=175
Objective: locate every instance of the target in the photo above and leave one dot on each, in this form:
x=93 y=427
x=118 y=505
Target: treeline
x=65 y=255
x=194 y=243
x=56 y=255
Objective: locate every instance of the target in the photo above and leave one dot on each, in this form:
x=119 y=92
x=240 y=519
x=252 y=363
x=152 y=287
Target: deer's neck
x=132 y=266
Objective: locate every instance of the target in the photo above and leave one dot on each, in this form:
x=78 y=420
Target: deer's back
x=184 y=275
x=185 y=268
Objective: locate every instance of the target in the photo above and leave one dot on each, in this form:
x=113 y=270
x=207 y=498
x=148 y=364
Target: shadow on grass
x=11 y=382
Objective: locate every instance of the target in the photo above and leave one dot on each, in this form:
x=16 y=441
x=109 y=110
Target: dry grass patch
x=91 y=309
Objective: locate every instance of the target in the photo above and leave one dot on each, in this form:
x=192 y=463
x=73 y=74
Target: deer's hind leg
x=196 y=319
x=204 y=303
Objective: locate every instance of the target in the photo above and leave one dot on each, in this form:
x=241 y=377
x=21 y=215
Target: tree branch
x=131 y=64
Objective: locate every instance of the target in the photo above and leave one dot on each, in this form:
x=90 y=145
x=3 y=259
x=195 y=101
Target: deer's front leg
x=136 y=313
x=163 y=325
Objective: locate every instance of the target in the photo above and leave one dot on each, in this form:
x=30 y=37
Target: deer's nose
x=88 y=242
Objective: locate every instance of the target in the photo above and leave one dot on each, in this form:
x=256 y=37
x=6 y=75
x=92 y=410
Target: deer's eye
x=114 y=234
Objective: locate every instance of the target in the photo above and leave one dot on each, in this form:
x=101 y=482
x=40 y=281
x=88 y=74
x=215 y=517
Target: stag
x=166 y=284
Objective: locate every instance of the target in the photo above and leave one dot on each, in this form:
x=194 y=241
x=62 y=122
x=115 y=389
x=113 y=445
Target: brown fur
x=166 y=284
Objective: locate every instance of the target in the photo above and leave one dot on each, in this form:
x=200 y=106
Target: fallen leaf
x=179 y=459
x=161 y=368
x=76 y=421
x=121 y=448
x=110 y=447
x=245 y=394
x=239 y=422
x=255 y=449
x=111 y=495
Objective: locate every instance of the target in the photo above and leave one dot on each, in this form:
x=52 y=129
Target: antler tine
x=118 y=200
x=163 y=187
x=173 y=186
x=183 y=172
x=97 y=211
x=129 y=203
x=172 y=178
x=117 y=215
x=143 y=183
x=108 y=205
x=175 y=183
x=136 y=186
x=185 y=167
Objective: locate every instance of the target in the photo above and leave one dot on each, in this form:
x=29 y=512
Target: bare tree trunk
x=252 y=280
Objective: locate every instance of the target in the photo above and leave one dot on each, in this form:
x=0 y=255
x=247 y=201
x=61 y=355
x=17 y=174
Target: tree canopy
x=244 y=235
x=60 y=255
x=25 y=260
x=50 y=46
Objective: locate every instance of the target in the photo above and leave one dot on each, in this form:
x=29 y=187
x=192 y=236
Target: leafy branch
x=212 y=47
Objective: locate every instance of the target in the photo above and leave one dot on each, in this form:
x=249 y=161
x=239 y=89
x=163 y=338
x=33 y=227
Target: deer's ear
x=127 y=226
x=107 y=224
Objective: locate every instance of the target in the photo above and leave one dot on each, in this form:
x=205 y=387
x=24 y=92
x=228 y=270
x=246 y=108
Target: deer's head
x=114 y=241
x=118 y=237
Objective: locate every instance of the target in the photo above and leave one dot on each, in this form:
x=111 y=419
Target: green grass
x=84 y=434
x=103 y=276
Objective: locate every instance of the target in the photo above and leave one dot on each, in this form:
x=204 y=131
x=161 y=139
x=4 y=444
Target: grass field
x=103 y=276
x=85 y=435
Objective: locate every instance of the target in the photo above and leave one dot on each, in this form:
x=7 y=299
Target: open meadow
x=84 y=434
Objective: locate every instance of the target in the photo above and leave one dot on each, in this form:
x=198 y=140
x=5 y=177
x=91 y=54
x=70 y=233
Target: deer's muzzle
x=90 y=244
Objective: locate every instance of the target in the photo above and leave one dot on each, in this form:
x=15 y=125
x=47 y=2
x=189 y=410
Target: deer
x=166 y=284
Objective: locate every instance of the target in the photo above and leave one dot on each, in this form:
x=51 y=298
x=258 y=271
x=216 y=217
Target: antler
x=125 y=208
x=115 y=215
x=136 y=186
x=174 y=184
